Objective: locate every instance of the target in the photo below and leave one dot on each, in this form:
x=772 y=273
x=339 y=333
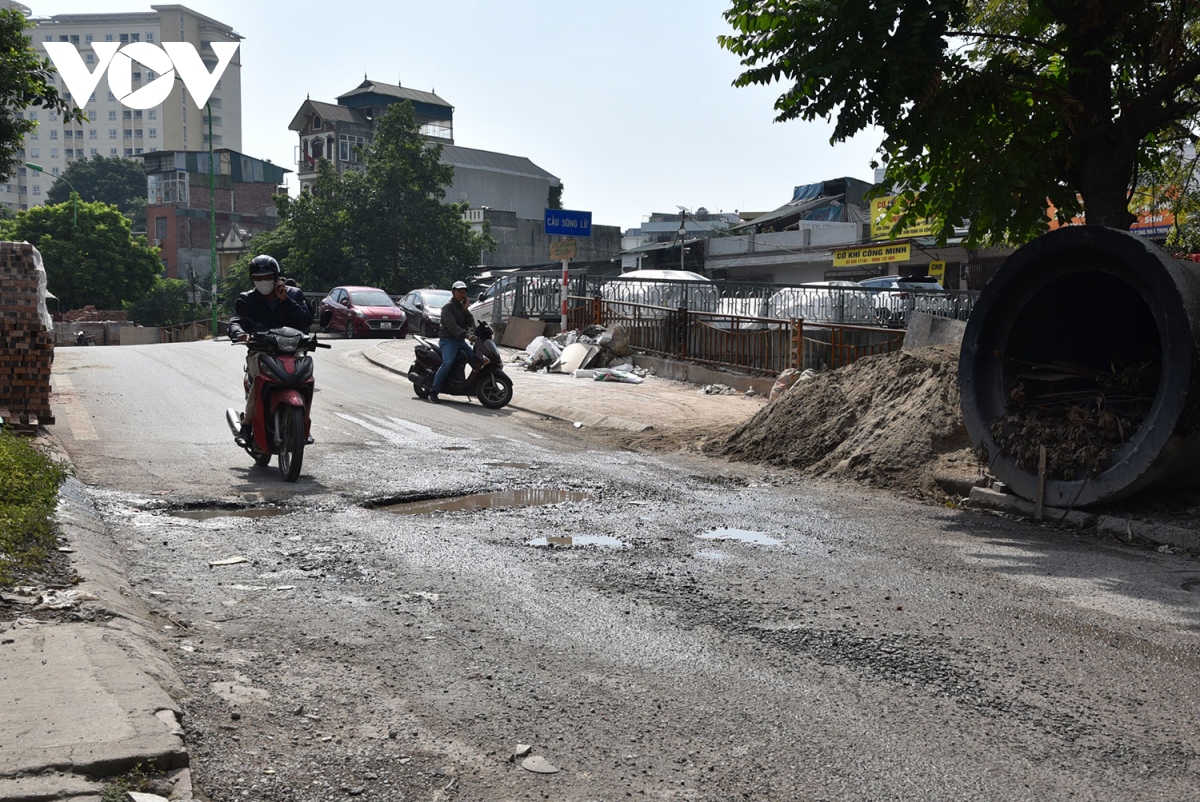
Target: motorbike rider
x=457 y=325
x=271 y=304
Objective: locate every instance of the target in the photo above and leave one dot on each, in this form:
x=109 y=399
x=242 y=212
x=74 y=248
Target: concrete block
x=926 y=329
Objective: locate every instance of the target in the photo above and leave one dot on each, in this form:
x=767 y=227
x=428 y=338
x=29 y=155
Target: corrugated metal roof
x=496 y=162
x=795 y=207
x=391 y=90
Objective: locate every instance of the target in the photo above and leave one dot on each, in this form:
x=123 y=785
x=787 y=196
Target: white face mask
x=266 y=286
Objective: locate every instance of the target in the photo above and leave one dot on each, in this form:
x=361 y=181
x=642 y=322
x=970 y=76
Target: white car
x=894 y=297
x=671 y=289
x=841 y=302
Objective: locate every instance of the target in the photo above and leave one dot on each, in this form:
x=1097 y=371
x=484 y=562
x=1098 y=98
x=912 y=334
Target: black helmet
x=263 y=265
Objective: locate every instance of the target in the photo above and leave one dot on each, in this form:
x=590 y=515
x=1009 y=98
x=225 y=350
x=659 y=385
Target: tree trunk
x=1105 y=174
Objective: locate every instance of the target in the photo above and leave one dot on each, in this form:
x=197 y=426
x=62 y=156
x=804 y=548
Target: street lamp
x=682 y=234
x=37 y=168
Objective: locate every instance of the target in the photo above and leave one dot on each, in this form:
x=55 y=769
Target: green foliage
x=166 y=304
x=116 y=789
x=385 y=226
x=989 y=108
x=25 y=80
x=112 y=180
x=554 y=199
x=98 y=262
x=29 y=481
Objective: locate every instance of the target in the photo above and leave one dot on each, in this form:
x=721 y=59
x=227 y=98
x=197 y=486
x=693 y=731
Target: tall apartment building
x=176 y=124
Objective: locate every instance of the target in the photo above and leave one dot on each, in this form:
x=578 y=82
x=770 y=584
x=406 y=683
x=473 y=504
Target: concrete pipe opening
x=1086 y=341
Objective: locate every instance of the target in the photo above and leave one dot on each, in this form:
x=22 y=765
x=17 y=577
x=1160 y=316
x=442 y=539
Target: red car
x=360 y=312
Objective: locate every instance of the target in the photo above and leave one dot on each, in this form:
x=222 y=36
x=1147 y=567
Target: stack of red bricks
x=26 y=348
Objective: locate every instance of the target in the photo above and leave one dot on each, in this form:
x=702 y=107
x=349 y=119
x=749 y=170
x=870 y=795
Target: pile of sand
x=890 y=421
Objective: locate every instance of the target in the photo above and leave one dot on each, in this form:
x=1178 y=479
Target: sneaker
x=243 y=435
x=433 y=398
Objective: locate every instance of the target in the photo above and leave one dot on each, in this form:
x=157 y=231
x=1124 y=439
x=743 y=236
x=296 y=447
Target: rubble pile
x=594 y=353
x=890 y=421
x=26 y=339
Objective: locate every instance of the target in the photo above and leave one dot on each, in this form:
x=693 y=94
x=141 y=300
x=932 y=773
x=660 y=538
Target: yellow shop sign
x=872 y=254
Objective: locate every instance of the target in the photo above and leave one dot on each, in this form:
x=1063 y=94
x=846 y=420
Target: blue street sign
x=567 y=223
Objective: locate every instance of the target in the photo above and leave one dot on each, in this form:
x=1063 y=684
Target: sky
x=629 y=102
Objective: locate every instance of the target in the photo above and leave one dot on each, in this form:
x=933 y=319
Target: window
x=54 y=116
x=135 y=37
x=94 y=152
x=37 y=190
x=53 y=153
x=92 y=115
x=137 y=133
x=138 y=150
x=316 y=122
x=348 y=148
x=152 y=114
x=112 y=133
x=149 y=37
x=112 y=114
x=160 y=228
x=137 y=115
x=124 y=37
x=128 y=133
x=75 y=39
x=54 y=170
x=33 y=115
x=68 y=134
x=89 y=58
x=154 y=133
x=128 y=152
x=92 y=99
x=62 y=38
x=33 y=154
x=137 y=76
x=87 y=38
x=108 y=37
x=112 y=151
x=127 y=114
x=150 y=75
x=54 y=133
x=111 y=96
x=66 y=95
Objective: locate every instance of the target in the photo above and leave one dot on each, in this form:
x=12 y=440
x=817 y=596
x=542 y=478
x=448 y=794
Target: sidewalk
x=656 y=403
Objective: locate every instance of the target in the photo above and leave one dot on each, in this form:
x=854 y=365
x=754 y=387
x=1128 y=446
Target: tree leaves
x=989 y=108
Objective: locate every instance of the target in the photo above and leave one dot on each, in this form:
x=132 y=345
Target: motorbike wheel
x=422 y=390
x=494 y=390
x=289 y=428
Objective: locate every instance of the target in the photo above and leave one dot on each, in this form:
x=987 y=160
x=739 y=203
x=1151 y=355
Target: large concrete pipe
x=1098 y=330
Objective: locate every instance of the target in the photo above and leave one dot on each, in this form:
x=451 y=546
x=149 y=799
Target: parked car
x=360 y=312
x=893 y=300
x=423 y=311
x=671 y=289
x=841 y=302
x=541 y=297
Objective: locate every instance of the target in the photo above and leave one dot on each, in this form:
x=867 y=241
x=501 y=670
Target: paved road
x=673 y=629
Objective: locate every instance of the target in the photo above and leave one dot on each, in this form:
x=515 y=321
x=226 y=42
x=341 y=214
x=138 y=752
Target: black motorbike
x=487 y=380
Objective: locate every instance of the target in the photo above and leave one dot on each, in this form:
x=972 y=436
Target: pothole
x=525 y=465
x=232 y=512
x=570 y=541
x=743 y=535
x=525 y=497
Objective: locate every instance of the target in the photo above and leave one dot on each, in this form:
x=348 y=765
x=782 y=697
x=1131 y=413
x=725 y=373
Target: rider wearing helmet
x=457 y=324
x=271 y=304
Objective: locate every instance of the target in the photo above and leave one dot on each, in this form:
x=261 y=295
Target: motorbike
x=83 y=338
x=487 y=380
x=283 y=393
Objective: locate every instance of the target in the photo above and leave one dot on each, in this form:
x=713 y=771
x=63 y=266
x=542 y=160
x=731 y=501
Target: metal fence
x=539 y=296
x=745 y=342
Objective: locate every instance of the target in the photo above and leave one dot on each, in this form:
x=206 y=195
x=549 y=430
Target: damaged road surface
x=618 y=625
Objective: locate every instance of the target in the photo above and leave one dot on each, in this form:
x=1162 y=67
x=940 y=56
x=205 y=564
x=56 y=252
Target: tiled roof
x=497 y=162
x=391 y=90
x=328 y=111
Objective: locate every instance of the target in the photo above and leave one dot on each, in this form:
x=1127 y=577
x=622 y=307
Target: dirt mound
x=890 y=421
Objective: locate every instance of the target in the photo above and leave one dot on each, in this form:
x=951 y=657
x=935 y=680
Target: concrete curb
x=86 y=700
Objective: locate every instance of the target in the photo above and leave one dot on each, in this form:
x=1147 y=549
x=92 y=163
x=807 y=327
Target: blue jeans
x=450 y=346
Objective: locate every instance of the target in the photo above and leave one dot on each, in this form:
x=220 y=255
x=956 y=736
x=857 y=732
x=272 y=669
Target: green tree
x=112 y=180
x=387 y=225
x=26 y=80
x=98 y=262
x=989 y=108
x=165 y=304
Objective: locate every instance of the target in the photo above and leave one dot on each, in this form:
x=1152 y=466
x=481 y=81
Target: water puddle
x=1191 y=585
x=744 y=535
x=567 y=542
x=237 y=512
x=527 y=497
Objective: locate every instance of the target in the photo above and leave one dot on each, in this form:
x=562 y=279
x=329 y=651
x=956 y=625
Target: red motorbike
x=282 y=394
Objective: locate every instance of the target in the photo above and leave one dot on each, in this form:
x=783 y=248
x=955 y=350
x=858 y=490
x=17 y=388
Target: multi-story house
x=112 y=129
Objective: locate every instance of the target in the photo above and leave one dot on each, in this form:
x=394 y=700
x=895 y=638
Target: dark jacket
x=257 y=312
x=457 y=322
